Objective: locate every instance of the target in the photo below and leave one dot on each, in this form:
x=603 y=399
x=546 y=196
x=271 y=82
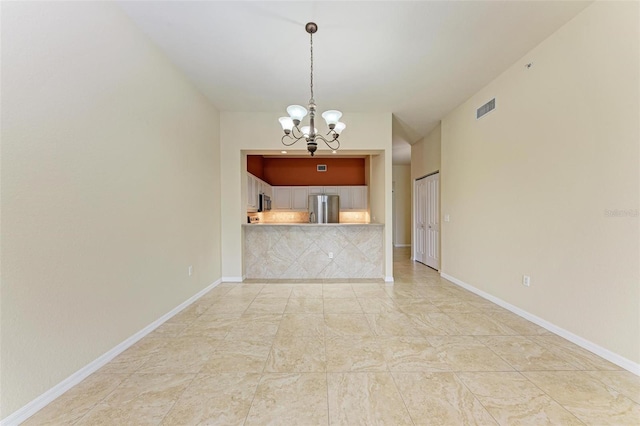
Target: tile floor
x=421 y=352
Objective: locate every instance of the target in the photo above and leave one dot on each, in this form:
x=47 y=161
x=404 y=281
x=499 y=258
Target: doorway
x=427 y=220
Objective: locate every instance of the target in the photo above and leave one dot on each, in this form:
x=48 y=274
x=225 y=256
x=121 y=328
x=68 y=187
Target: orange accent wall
x=255 y=166
x=302 y=171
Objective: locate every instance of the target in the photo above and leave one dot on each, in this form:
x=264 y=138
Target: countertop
x=312 y=224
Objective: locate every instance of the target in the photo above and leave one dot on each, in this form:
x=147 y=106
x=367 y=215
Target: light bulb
x=305 y=131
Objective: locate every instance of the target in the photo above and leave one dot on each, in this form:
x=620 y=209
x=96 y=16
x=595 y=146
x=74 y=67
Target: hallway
x=421 y=351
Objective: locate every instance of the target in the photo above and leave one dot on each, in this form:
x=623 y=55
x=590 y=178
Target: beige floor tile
x=365 y=399
x=290 y=399
x=168 y=330
x=297 y=354
x=370 y=291
x=267 y=305
x=392 y=324
x=181 y=355
x=377 y=305
x=412 y=354
x=302 y=325
x=307 y=290
x=624 y=382
x=513 y=400
x=524 y=354
x=465 y=353
x=245 y=290
x=250 y=326
x=275 y=290
x=142 y=399
x=337 y=290
x=346 y=325
x=343 y=305
x=304 y=305
x=136 y=356
x=354 y=354
x=244 y=356
x=229 y=306
x=214 y=326
x=77 y=401
x=282 y=333
x=519 y=324
x=433 y=324
x=587 y=398
x=215 y=399
x=480 y=324
x=417 y=306
x=454 y=305
x=440 y=399
x=188 y=314
x=580 y=358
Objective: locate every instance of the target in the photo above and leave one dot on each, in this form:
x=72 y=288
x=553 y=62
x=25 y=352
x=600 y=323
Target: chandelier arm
x=328 y=143
x=290 y=137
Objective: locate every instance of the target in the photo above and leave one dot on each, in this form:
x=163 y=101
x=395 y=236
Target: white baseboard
x=49 y=396
x=402 y=245
x=613 y=357
x=388 y=279
x=232 y=279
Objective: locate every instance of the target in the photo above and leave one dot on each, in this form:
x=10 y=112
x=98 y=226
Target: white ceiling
x=417 y=60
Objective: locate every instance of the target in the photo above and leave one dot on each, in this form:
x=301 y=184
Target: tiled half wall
x=302 y=251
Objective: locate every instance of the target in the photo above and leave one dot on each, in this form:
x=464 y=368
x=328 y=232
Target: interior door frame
x=414 y=214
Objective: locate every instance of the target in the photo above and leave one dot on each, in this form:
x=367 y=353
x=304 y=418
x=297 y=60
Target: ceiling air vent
x=486 y=108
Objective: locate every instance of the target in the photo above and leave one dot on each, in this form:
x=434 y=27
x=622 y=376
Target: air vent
x=486 y=108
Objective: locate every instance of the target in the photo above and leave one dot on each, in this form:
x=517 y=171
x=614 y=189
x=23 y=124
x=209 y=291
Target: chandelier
x=293 y=133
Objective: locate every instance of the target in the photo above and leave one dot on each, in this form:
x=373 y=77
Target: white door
x=433 y=221
x=420 y=244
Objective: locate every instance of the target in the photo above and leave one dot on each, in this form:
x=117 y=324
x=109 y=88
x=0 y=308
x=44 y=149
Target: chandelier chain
x=311 y=44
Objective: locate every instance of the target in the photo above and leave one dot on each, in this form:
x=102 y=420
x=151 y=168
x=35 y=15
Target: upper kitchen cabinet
x=290 y=198
x=255 y=187
x=327 y=190
x=353 y=197
x=253 y=190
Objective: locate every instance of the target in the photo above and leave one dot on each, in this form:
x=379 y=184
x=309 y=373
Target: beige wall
x=110 y=190
x=402 y=209
x=425 y=160
x=530 y=185
x=261 y=133
x=425 y=154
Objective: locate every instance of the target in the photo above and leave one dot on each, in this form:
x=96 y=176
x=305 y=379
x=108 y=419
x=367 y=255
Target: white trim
x=388 y=279
x=232 y=279
x=49 y=396
x=402 y=245
x=613 y=357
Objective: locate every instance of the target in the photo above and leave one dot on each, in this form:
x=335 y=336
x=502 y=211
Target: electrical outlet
x=330 y=255
x=447 y=218
x=190 y=270
x=526 y=280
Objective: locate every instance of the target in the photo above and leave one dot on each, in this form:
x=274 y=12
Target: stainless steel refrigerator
x=324 y=208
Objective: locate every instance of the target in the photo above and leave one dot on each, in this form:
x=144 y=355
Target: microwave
x=264 y=204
